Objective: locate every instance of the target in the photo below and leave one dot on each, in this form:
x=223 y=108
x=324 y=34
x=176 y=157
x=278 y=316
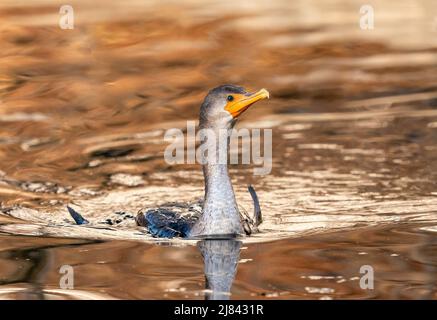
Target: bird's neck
x=215 y=166
x=220 y=214
x=218 y=185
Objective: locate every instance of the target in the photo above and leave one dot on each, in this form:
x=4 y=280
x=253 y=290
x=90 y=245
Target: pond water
x=353 y=112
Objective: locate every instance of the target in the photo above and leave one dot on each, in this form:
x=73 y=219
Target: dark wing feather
x=165 y=223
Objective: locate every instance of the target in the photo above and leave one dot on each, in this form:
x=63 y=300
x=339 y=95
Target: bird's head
x=224 y=104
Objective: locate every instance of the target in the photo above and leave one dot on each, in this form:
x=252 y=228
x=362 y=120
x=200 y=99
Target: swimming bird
x=218 y=215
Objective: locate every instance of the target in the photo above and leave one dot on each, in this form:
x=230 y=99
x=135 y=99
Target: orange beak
x=242 y=102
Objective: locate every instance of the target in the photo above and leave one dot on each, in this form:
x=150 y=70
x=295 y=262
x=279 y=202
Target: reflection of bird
x=220 y=258
x=219 y=215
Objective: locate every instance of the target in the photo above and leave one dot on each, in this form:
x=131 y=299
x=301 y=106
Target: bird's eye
x=230 y=98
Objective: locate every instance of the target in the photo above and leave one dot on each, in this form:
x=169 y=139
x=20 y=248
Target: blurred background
x=353 y=112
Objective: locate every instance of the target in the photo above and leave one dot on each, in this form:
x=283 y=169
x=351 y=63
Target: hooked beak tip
x=265 y=93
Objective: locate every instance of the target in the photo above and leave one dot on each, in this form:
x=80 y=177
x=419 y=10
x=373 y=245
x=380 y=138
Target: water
x=325 y=266
x=354 y=119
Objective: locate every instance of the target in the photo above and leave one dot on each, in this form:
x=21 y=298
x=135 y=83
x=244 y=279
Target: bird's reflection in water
x=220 y=259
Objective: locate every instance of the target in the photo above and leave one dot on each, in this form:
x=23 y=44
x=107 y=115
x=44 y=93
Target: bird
x=218 y=215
